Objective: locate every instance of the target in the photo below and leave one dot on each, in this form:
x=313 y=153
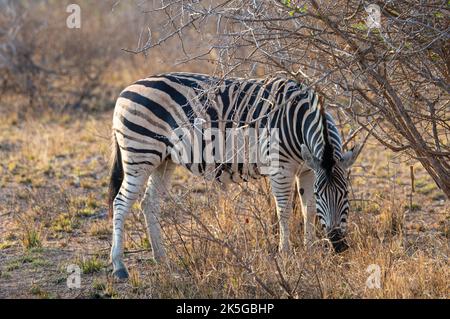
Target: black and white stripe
x=148 y=112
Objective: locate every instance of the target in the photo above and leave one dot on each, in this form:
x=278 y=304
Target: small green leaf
x=361 y=26
x=303 y=9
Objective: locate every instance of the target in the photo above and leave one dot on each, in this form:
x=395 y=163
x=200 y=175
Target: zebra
x=310 y=160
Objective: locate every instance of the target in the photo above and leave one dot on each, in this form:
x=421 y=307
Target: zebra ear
x=349 y=158
x=310 y=160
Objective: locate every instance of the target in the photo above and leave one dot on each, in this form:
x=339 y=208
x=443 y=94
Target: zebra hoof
x=121 y=274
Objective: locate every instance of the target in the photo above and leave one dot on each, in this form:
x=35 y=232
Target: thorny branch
x=396 y=75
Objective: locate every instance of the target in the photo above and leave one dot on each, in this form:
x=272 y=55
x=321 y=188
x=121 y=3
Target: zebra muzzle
x=338 y=241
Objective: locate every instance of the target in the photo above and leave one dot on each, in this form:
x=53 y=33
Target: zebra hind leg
x=157 y=189
x=133 y=182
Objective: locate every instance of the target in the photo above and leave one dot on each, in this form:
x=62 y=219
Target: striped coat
x=248 y=128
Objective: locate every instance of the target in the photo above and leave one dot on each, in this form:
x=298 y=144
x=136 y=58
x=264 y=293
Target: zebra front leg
x=282 y=188
x=127 y=195
x=157 y=189
x=305 y=188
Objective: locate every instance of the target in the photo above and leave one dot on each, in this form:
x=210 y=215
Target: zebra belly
x=224 y=173
x=227 y=155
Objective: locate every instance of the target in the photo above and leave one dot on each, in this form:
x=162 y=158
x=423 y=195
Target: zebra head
x=331 y=192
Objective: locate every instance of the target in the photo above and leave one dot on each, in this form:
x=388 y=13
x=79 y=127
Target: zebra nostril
x=340 y=246
x=338 y=241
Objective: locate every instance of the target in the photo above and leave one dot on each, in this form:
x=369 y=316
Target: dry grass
x=53 y=179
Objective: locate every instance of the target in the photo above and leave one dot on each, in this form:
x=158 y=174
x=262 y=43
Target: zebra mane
x=327 y=161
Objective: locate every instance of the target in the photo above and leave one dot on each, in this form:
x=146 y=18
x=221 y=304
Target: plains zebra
x=149 y=111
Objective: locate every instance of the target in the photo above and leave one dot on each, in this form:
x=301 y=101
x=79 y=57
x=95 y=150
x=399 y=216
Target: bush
x=47 y=64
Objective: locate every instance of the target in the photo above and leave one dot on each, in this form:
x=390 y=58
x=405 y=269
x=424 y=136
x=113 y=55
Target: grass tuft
x=90 y=265
x=31 y=238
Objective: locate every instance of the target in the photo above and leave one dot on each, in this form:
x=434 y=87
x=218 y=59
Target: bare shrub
x=392 y=80
x=48 y=64
x=224 y=246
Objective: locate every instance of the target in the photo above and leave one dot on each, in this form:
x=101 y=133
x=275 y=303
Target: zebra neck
x=323 y=139
x=317 y=129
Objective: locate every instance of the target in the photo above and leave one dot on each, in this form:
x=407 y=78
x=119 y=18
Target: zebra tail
x=116 y=175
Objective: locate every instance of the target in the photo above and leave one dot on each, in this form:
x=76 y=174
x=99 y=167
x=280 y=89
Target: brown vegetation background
x=58 y=88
